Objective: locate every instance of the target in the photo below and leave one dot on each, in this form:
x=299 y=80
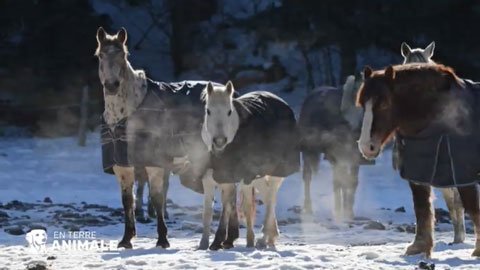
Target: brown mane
x=435 y=76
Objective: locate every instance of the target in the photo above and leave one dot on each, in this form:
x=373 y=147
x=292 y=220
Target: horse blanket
x=442 y=155
x=323 y=128
x=265 y=143
x=166 y=125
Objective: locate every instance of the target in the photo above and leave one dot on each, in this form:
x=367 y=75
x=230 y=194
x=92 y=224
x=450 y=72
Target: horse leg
x=248 y=204
x=233 y=227
x=349 y=192
x=338 y=175
x=209 y=186
x=456 y=211
x=470 y=199
x=268 y=188
x=155 y=177
x=310 y=164
x=126 y=177
x=142 y=178
x=166 y=184
x=227 y=193
x=150 y=206
x=423 y=242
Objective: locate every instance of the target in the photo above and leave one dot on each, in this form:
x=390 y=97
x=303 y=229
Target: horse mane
x=417 y=72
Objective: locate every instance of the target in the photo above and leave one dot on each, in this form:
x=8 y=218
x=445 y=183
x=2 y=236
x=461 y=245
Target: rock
x=425 y=266
x=51 y=258
x=400 y=229
x=442 y=216
x=295 y=209
x=3 y=214
x=400 y=210
x=47 y=200
x=37 y=265
x=410 y=229
x=14 y=230
x=374 y=225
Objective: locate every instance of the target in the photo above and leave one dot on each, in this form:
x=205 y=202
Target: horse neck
x=417 y=108
x=131 y=93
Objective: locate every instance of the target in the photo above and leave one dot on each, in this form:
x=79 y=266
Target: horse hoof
x=215 y=246
x=455 y=242
x=163 y=243
x=261 y=244
x=227 y=245
x=125 y=245
x=203 y=244
x=476 y=252
x=418 y=248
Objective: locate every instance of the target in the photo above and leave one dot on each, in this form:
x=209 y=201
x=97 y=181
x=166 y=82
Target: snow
x=32 y=169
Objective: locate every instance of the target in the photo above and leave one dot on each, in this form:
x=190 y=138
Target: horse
x=450 y=195
x=335 y=135
x=151 y=125
x=329 y=123
x=253 y=141
x=433 y=114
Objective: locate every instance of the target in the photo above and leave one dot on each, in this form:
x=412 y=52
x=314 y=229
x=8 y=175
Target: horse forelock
x=111 y=40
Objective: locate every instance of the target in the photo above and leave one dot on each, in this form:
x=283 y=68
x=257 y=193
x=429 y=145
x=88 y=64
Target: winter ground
x=86 y=199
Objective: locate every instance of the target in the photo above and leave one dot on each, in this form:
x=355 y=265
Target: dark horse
x=435 y=117
x=329 y=123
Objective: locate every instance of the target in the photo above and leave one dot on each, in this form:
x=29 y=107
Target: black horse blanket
x=442 y=155
x=165 y=126
x=265 y=143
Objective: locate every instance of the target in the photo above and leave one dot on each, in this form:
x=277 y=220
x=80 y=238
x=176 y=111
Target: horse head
x=417 y=55
x=112 y=55
x=221 y=119
x=375 y=96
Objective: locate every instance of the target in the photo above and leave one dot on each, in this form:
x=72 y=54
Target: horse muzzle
x=369 y=150
x=111 y=88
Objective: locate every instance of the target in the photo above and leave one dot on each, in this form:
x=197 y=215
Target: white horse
x=450 y=195
x=244 y=134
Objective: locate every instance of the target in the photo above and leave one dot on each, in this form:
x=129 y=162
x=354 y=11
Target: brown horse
x=407 y=101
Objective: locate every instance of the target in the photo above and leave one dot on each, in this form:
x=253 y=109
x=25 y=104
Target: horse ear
x=367 y=72
x=209 y=88
x=229 y=88
x=405 y=49
x=429 y=49
x=122 y=35
x=101 y=34
x=390 y=72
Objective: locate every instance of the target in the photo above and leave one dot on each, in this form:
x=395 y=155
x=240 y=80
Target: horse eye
x=208 y=111
x=383 y=106
x=229 y=112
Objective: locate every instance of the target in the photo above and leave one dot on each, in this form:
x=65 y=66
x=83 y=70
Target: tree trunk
x=82 y=128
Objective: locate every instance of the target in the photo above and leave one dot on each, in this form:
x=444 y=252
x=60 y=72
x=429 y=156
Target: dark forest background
x=46 y=47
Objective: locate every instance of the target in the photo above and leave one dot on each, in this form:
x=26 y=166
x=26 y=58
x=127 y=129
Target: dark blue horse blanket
x=442 y=155
x=266 y=142
x=166 y=125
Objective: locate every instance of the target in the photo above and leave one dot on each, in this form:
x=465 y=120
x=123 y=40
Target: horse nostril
x=220 y=141
x=372 y=147
x=116 y=84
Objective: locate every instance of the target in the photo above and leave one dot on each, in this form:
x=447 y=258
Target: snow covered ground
x=84 y=198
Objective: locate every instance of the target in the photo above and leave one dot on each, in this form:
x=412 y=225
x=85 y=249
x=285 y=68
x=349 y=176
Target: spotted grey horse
x=151 y=125
x=253 y=140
